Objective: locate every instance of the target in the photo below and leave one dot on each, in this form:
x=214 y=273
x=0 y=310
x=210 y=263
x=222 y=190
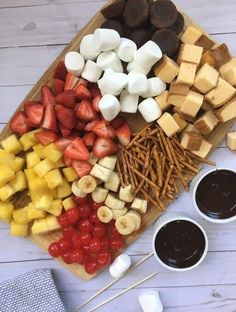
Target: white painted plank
x=2 y=126
x=25 y=3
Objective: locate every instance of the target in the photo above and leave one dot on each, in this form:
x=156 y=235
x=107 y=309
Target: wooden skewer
x=112 y=282
x=122 y=292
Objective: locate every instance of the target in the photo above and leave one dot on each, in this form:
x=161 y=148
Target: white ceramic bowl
x=167 y=218
x=196 y=182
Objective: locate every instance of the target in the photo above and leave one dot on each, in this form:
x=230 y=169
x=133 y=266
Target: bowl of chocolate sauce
x=214 y=195
x=179 y=243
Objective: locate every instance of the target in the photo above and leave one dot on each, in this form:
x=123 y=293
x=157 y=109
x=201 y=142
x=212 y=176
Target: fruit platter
x=113 y=131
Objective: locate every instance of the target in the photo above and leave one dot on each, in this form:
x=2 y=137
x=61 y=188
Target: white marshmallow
x=149 y=109
x=91 y=71
x=133 y=66
x=148 y=54
x=128 y=102
x=112 y=83
x=74 y=63
x=126 y=50
x=109 y=107
x=120 y=265
x=137 y=83
x=151 y=302
x=155 y=87
x=109 y=59
x=106 y=39
x=88 y=49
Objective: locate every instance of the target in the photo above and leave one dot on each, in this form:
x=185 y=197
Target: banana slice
x=125 y=225
x=87 y=184
x=136 y=216
x=99 y=195
x=113 y=202
x=76 y=190
x=119 y=212
x=104 y=214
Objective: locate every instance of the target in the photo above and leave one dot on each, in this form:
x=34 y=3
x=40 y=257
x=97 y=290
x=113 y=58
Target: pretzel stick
x=203 y=160
x=145 y=178
x=137 y=136
x=159 y=168
x=180 y=176
x=166 y=147
x=132 y=156
x=130 y=171
x=173 y=154
x=140 y=145
x=190 y=167
x=142 y=181
x=120 y=174
x=126 y=181
x=156 y=203
x=167 y=181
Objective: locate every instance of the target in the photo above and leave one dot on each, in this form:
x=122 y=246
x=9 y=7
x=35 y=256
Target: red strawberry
x=124 y=134
x=104 y=147
x=77 y=150
x=82 y=92
x=71 y=81
x=66 y=98
x=81 y=81
x=60 y=71
x=62 y=143
x=80 y=125
x=34 y=113
x=101 y=130
x=95 y=92
x=89 y=126
x=18 y=123
x=49 y=119
x=64 y=131
x=67 y=161
x=30 y=103
x=95 y=103
x=46 y=137
x=81 y=167
x=65 y=116
x=47 y=97
x=85 y=111
x=117 y=122
x=58 y=86
x=89 y=139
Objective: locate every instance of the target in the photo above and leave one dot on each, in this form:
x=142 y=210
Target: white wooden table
x=32 y=33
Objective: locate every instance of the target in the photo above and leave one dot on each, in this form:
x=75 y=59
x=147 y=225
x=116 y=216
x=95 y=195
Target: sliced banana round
x=104 y=214
x=119 y=212
x=136 y=216
x=87 y=184
x=76 y=190
x=125 y=225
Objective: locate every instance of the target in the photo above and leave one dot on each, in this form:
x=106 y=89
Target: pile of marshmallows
x=104 y=51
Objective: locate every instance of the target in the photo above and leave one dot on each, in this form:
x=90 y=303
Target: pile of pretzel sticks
x=157 y=166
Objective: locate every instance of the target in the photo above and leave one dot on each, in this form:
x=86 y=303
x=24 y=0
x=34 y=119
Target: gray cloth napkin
x=31 y=292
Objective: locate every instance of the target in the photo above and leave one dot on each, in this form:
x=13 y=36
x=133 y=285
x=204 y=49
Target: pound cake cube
x=231 y=140
x=227 y=112
x=192 y=104
x=206 y=123
x=217 y=56
x=191 y=35
x=206 y=78
x=162 y=100
x=180 y=121
x=168 y=124
x=228 y=71
x=176 y=100
x=191 y=141
x=205 y=42
x=204 y=150
x=166 y=69
x=206 y=106
x=190 y=53
x=178 y=88
x=187 y=73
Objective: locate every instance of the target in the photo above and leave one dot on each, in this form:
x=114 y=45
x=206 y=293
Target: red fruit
x=46 y=137
x=76 y=239
x=112 y=229
x=73 y=215
x=64 y=244
x=95 y=245
x=18 y=123
x=67 y=161
x=124 y=134
x=34 y=113
x=71 y=81
x=89 y=126
x=91 y=266
x=60 y=71
x=95 y=206
x=68 y=232
x=66 y=98
x=94 y=218
x=89 y=139
x=66 y=257
x=103 y=258
x=65 y=116
x=117 y=122
x=116 y=243
x=84 y=210
x=47 y=97
x=95 y=103
x=99 y=230
x=58 y=86
x=105 y=244
x=104 y=147
x=77 y=150
x=111 y=132
x=49 y=119
x=30 y=103
x=62 y=143
x=77 y=256
x=80 y=125
x=81 y=81
x=85 y=226
x=64 y=131
x=85 y=240
x=95 y=92
x=81 y=167
x=82 y=92
x=63 y=221
x=80 y=200
x=54 y=250
x=85 y=111
x=101 y=129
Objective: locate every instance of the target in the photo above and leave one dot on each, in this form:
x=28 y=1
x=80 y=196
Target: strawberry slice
x=77 y=150
x=71 y=81
x=101 y=129
x=46 y=137
x=80 y=125
x=64 y=131
x=81 y=167
x=82 y=92
x=89 y=126
x=49 y=119
x=95 y=103
x=47 y=97
x=58 y=86
x=60 y=71
x=117 y=122
x=95 y=92
x=18 y=123
x=85 y=111
x=65 y=116
x=30 y=103
x=66 y=98
x=124 y=134
x=62 y=143
x=89 y=139
x=111 y=132
x=104 y=147
x=81 y=81
x=34 y=114
x=67 y=161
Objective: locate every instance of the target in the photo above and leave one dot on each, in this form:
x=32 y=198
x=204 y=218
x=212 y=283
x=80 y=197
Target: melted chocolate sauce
x=180 y=244
x=216 y=194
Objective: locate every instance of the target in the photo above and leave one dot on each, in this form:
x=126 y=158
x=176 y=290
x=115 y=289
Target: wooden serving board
x=43 y=241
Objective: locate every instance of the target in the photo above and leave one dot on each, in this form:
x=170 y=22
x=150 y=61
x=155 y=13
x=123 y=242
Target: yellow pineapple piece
x=18 y=164
x=6 y=174
x=28 y=140
x=32 y=159
x=12 y=145
x=68 y=203
x=43 y=167
x=64 y=190
x=21 y=215
x=6 y=159
x=19 y=229
x=53 y=178
x=52 y=153
x=6 y=191
x=52 y=223
x=6 y=210
x=39 y=150
x=70 y=174
x=35 y=213
x=39 y=226
x=44 y=203
x=56 y=207
x=59 y=164
x=19 y=183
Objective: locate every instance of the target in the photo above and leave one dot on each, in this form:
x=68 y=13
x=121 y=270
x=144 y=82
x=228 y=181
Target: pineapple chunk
x=28 y=140
x=59 y=164
x=43 y=167
x=39 y=150
x=68 y=203
x=56 y=207
x=12 y=145
x=35 y=213
x=19 y=229
x=18 y=183
x=32 y=159
x=6 y=192
x=44 y=203
x=6 y=158
x=6 y=175
x=53 y=178
x=21 y=215
x=70 y=174
x=6 y=210
x=18 y=164
x=64 y=190
x=52 y=153
x=52 y=223
x=39 y=226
